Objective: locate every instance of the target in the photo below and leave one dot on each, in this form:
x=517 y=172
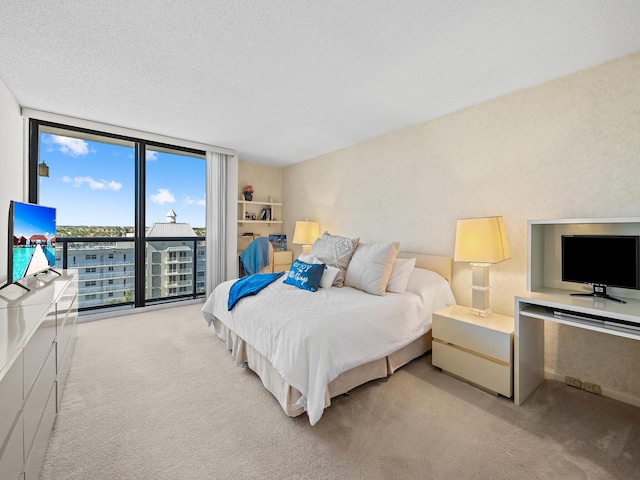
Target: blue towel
x=256 y=256
x=250 y=285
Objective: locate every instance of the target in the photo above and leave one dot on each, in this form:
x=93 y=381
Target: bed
x=308 y=347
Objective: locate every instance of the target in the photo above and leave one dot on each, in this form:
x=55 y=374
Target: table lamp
x=481 y=241
x=305 y=234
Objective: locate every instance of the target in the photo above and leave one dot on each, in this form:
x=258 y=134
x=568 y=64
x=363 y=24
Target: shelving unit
x=254 y=207
x=548 y=298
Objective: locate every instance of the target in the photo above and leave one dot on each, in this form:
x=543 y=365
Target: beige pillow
x=370 y=267
x=335 y=251
x=400 y=273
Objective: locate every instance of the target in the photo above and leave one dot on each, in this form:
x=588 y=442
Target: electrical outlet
x=592 y=387
x=573 y=381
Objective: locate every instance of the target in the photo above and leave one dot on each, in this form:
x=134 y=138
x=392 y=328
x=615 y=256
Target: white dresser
x=37 y=336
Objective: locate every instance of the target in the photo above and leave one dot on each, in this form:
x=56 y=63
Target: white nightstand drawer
x=485 y=373
x=488 y=336
x=282 y=260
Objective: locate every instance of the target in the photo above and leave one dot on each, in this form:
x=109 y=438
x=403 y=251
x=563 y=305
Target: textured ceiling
x=283 y=81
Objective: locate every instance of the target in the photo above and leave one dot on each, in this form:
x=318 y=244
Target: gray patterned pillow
x=335 y=251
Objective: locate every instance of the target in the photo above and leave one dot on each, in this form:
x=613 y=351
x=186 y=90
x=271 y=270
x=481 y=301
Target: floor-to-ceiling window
x=130 y=213
x=175 y=207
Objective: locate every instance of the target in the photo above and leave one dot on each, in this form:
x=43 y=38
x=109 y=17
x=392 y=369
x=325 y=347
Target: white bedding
x=311 y=338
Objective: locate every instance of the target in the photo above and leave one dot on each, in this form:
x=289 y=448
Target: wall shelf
x=255 y=207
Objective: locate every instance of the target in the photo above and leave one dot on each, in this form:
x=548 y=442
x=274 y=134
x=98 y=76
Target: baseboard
x=605 y=391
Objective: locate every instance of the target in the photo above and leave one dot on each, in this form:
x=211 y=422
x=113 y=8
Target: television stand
x=17 y=282
x=598 y=295
x=47 y=271
x=599 y=291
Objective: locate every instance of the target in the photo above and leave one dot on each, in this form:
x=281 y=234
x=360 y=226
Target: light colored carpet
x=156 y=396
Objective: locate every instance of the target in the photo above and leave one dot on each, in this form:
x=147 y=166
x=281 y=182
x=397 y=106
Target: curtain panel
x=216 y=207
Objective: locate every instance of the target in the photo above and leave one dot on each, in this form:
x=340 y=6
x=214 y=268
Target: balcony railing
x=117 y=288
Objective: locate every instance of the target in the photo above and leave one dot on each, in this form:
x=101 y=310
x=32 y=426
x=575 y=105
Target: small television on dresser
x=602 y=261
x=31 y=242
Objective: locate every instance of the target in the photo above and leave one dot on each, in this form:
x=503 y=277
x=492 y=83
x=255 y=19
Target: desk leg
x=528 y=356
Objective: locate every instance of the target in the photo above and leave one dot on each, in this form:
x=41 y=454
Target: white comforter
x=311 y=338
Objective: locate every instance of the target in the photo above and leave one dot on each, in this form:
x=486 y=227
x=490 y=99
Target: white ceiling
x=283 y=81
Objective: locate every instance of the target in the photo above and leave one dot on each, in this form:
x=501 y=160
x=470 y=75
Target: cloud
x=193 y=201
x=151 y=155
x=93 y=184
x=163 y=196
x=73 y=147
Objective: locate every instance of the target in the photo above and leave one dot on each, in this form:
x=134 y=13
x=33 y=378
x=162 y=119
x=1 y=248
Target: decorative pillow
x=371 y=266
x=400 y=273
x=336 y=252
x=329 y=274
x=305 y=275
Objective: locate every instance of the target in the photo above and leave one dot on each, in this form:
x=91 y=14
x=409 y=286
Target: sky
x=93 y=183
x=32 y=220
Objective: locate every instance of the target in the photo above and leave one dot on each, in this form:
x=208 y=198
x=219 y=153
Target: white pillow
x=400 y=273
x=370 y=267
x=431 y=287
x=329 y=274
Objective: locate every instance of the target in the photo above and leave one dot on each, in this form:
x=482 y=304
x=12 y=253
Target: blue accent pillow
x=306 y=276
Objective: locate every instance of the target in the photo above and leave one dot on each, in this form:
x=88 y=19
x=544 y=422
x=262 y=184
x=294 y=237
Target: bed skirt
x=244 y=354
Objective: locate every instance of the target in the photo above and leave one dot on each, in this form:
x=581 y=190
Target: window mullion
x=140 y=229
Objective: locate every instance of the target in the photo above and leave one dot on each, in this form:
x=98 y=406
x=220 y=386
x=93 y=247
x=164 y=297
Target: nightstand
x=282 y=260
x=476 y=349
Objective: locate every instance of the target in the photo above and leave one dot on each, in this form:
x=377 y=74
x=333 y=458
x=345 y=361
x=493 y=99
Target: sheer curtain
x=216 y=249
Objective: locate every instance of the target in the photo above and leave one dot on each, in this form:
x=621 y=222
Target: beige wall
x=11 y=166
x=569 y=148
x=267 y=183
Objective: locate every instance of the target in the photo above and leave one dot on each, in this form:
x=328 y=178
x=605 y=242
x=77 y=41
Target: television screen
x=610 y=260
x=32 y=239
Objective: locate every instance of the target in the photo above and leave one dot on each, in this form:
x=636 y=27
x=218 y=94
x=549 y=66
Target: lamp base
x=482 y=313
x=480 y=289
x=306 y=249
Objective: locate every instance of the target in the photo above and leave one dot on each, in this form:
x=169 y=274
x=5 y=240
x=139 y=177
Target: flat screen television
x=32 y=240
x=602 y=261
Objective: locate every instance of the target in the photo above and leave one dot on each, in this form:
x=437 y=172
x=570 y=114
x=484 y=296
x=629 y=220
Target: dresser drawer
x=64 y=365
x=35 y=404
x=10 y=396
x=12 y=458
x=485 y=373
x=37 y=349
x=35 y=457
x=484 y=338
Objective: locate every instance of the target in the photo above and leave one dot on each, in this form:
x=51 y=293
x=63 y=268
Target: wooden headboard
x=439 y=264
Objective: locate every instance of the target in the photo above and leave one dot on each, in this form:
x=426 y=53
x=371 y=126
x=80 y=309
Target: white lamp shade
x=306 y=233
x=481 y=240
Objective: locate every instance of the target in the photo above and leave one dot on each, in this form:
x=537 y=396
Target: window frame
x=140 y=148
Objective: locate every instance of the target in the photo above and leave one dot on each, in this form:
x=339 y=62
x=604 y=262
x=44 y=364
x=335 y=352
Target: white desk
x=532 y=308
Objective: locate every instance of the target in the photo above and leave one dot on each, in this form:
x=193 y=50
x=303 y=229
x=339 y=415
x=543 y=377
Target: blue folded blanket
x=256 y=256
x=250 y=285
